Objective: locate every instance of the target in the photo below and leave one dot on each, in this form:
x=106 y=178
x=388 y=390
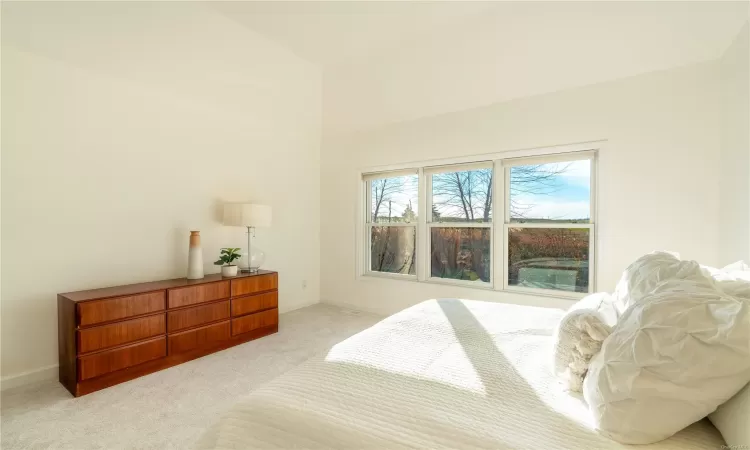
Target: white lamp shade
x=247 y=215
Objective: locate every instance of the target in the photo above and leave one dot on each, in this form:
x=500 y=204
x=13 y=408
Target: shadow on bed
x=444 y=414
x=429 y=377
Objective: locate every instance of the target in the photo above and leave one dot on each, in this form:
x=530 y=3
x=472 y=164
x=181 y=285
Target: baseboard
x=32 y=376
x=51 y=372
x=285 y=309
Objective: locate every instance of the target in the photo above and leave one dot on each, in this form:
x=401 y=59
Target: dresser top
x=139 y=288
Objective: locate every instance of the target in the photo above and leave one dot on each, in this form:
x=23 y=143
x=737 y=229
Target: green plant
x=228 y=255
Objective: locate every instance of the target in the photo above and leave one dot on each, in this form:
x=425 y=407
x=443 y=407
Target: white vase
x=228 y=271
x=195 y=257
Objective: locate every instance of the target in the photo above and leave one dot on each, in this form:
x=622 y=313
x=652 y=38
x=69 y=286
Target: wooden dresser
x=111 y=335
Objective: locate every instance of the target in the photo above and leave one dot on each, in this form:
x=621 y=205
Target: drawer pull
x=254 y=285
x=198 y=315
x=92 y=366
x=199 y=337
x=254 y=303
x=118 y=333
x=198 y=294
x=109 y=309
x=252 y=322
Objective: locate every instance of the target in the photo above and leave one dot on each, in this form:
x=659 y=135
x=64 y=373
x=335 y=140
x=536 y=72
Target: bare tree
x=539 y=179
x=466 y=195
x=383 y=191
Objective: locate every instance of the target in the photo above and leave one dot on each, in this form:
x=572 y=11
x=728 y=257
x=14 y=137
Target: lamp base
x=249 y=270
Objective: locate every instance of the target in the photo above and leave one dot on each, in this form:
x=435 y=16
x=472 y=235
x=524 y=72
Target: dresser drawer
x=255 y=284
x=199 y=337
x=97 y=364
x=197 y=294
x=197 y=315
x=106 y=310
x=105 y=336
x=254 y=303
x=252 y=322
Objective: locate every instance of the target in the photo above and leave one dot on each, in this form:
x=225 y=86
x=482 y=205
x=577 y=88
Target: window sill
x=562 y=295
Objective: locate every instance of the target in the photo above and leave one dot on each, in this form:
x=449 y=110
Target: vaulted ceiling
x=392 y=61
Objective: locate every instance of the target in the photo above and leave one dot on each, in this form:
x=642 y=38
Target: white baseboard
x=32 y=376
x=50 y=372
x=285 y=309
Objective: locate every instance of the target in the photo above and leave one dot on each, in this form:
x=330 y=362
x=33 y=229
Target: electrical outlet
x=304 y=284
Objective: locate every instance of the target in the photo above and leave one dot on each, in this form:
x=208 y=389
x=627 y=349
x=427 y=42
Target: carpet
x=170 y=409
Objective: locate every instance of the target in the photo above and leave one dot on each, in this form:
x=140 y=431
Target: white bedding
x=441 y=374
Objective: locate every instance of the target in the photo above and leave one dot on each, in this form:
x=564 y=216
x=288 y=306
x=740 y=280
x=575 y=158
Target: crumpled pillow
x=646 y=272
x=675 y=354
x=732 y=418
x=733 y=279
x=579 y=337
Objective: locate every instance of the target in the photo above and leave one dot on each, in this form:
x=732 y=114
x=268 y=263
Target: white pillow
x=643 y=274
x=579 y=337
x=674 y=356
x=733 y=279
x=733 y=419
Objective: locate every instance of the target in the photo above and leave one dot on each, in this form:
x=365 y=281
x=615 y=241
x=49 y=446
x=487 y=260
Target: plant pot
x=228 y=271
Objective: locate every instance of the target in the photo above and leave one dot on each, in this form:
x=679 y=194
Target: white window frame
x=430 y=224
x=500 y=162
x=369 y=224
x=506 y=165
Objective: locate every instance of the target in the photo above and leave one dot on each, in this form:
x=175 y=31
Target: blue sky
x=569 y=199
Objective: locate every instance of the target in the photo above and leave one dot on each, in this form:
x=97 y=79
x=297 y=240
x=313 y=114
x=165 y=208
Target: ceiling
x=333 y=32
x=386 y=62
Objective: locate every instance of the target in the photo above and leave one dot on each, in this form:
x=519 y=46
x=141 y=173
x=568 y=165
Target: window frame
x=499 y=224
x=369 y=224
x=428 y=173
x=509 y=163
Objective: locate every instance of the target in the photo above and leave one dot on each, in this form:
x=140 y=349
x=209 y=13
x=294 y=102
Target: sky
x=566 y=198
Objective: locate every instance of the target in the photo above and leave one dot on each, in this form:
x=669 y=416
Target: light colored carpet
x=170 y=409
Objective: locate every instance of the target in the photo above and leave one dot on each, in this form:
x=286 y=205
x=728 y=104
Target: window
x=392 y=222
x=460 y=210
x=506 y=223
x=548 y=224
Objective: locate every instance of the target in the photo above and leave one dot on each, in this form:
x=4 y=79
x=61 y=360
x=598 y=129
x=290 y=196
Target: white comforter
x=442 y=374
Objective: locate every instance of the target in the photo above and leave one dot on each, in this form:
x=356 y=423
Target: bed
x=441 y=374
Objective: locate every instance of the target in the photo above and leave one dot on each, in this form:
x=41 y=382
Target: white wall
x=124 y=126
x=515 y=50
x=658 y=175
x=735 y=150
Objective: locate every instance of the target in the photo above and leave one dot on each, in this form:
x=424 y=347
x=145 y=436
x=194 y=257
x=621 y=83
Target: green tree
x=408 y=214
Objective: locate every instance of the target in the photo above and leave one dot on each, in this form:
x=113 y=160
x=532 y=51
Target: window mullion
x=499 y=259
x=498 y=228
x=422 y=250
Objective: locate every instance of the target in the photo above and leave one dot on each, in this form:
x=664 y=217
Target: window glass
x=553 y=192
x=460 y=253
x=394 y=199
x=393 y=249
x=549 y=258
x=463 y=196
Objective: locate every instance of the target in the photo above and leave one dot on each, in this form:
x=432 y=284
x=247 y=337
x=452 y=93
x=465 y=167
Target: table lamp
x=251 y=216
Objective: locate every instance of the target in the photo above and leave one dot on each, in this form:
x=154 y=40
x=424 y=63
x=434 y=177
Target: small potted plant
x=228 y=255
